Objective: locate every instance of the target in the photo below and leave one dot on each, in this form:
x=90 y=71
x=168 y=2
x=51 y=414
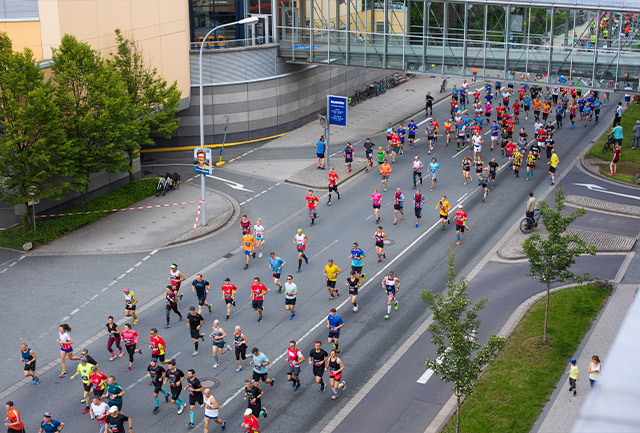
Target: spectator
x=594 y=370
x=635 y=141
x=617 y=134
x=613 y=166
x=49 y=425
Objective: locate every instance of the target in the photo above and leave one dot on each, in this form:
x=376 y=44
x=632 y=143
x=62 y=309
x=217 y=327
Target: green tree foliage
x=460 y=358
x=550 y=258
x=33 y=149
x=155 y=103
x=95 y=109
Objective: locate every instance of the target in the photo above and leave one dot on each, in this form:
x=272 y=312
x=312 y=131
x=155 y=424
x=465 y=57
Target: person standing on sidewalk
x=574 y=376
x=320 y=145
x=635 y=140
x=594 y=370
x=613 y=165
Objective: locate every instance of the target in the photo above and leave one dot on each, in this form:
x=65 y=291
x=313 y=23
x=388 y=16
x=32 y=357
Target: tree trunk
x=458 y=414
x=546 y=313
x=130 y=156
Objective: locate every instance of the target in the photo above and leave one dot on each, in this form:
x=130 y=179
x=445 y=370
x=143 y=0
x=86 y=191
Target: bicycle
x=636 y=177
x=359 y=96
x=529 y=223
x=443 y=86
x=608 y=145
x=167 y=182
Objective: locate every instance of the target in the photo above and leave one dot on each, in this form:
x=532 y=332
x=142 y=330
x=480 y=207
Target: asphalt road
x=84 y=290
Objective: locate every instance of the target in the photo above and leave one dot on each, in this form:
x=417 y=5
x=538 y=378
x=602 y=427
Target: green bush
x=52 y=228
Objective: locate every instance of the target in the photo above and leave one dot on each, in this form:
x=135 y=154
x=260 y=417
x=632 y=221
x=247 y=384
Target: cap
x=299 y=230
x=573 y=361
x=415 y=157
x=248 y=412
x=47 y=415
x=227 y=279
x=174 y=266
x=126 y=289
x=459 y=206
x=113 y=409
x=83 y=359
x=192 y=308
x=154 y=360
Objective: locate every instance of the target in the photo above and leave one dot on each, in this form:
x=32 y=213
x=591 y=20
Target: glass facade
x=554 y=45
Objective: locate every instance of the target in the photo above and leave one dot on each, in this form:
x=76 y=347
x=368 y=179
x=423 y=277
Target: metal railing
x=219 y=42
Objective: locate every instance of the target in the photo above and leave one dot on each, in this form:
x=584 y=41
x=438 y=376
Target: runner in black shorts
x=240 y=343
x=368 y=150
x=353 y=283
x=175 y=376
x=195 y=321
x=195 y=394
x=318 y=357
x=156 y=373
x=253 y=394
x=201 y=288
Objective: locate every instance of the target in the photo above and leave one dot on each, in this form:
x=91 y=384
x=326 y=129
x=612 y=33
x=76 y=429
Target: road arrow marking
x=598 y=188
x=230 y=183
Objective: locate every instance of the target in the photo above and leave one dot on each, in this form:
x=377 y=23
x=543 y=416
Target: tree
x=155 y=104
x=33 y=149
x=95 y=109
x=460 y=358
x=550 y=258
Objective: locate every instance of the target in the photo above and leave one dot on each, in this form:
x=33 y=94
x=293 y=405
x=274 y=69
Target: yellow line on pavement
x=209 y=146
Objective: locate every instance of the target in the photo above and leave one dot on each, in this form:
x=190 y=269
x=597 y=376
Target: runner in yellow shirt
x=84 y=370
x=248 y=242
x=553 y=165
x=443 y=206
x=331 y=272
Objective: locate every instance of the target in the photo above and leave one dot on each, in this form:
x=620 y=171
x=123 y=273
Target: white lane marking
x=13 y=264
x=75 y=311
x=85 y=304
x=21 y=257
x=94 y=296
x=65 y=318
x=144 y=259
x=249 y=199
x=104 y=289
x=425 y=377
x=153 y=252
x=112 y=283
x=3 y=271
x=129 y=270
x=324 y=249
x=416 y=140
x=264 y=191
x=137 y=264
x=242 y=204
x=121 y=276
x=463 y=196
x=370 y=216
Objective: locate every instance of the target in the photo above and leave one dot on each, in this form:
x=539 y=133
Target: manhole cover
x=410 y=90
x=209 y=382
x=389 y=242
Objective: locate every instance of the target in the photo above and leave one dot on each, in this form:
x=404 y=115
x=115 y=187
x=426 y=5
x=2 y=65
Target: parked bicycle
x=529 y=223
x=608 y=145
x=167 y=182
x=636 y=177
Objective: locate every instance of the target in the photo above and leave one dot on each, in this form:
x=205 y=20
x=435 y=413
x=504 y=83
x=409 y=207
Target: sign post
x=336 y=115
x=32 y=193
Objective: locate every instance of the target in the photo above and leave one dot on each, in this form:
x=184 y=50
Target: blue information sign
x=337 y=110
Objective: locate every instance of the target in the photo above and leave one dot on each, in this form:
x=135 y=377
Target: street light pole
x=203 y=193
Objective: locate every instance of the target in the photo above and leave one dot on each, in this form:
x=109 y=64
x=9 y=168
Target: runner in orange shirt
x=13 y=420
x=385 y=170
x=248 y=242
x=537 y=106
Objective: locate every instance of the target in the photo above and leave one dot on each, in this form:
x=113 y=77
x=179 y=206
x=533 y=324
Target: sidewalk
x=562 y=409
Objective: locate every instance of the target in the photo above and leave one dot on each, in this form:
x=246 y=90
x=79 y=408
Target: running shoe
x=191 y=425
x=135 y=322
x=239 y=368
x=181 y=408
x=167 y=325
x=86 y=410
x=342 y=385
x=260 y=254
x=306 y=261
x=180 y=296
x=297 y=387
x=293 y=316
x=83 y=400
x=227 y=317
x=458 y=243
x=63 y=374
x=36 y=382
x=334 y=396
x=384 y=255
x=328 y=203
x=246 y=267
x=210 y=308
x=166 y=398
x=298 y=268
x=337 y=292
x=180 y=319
x=386 y=316
x=121 y=354
x=156 y=409
x=224 y=425
x=264 y=412
x=395 y=307
x=293 y=384
x=216 y=365
x=322 y=387
x=355 y=309
x=273 y=383
x=195 y=352
x=260 y=319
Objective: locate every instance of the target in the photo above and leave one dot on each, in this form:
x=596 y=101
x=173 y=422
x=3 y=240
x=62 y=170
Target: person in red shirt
x=476 y=96
x=258 y=290
x=435 y=123
x=250 y=423
x=13 y=420
x=157 y=346
x=294 y=359
x=509 y=124
x=499 y=113
x=229 y=294
x=98 y=381
x=333 y=184
x=312 y=202
x=516 y=112
x=454 y=106
x=510 y=148
x=461 y=222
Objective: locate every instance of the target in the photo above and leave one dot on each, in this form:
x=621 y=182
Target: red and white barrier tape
x=195 y=224
x=199 y=202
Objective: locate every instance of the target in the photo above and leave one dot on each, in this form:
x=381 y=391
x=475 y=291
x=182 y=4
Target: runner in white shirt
x=417 y=170
x=98 y=411
x=258 y=234
x=211 y=410
x=477 y=144
x=537 y=125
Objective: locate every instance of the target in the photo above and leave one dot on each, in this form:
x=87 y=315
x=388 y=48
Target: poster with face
x=202 y=160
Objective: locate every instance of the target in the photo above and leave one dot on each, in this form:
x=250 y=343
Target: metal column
x=385 y=44
x=484 y=42
x=425 y=33
x=507 y=30
x=526 y=67
x=553 y=20
x=348 y=33
x=595 y=53
x=312 y=16
x=465 y=36
x=444 y=32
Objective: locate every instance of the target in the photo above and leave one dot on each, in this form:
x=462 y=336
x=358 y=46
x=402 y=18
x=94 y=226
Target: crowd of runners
x=484 y=127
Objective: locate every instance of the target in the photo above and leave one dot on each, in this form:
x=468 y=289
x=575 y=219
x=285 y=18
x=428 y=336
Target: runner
x=417 y=170
x=253 y=395
x=477 y=141
x=176 y=278
x=353 y=283
x=175 y=376
x=290 y=293
x=172 y=304
x=13 y=421
x=537 y=107
x=516 y=111
x=312 y=202
x=428 y=108
x=335 y=367
x=461 y=223
x=248 y=243
x=381 y=156
x=194 y=322
x=84 y=371
x=443 y=207
x=368 y=151
x=333 y=183
x=391 y=286
x=258 y=290
x=99 y=412
x=66 y=347
x=462 y=131
x=398 y=206
x=320 y=146
x=201 y=288
x=379 y=238
x=114 y=393
x=385 y=171
x=402 y=134
x=28 y=358
x=229 y=295
x=549 y=145
x=479 y=165
x=531 y=164
x=116 y=419
x=334 y=323
x=466 y=169
x=376 y=199
x=447 y=131
x=219 y=346
x=517 y=162
x=434 y=169
x=49 y=425
x=331 y=272
x=294 y=359
x=156 y=372
x=493 y=169
x=431 y=132
x=195 y=395
x=260 y=362
x=211 y=411
x=348 y=157
x=250 y=423
x=276 y=264
x=300 y=241
x=130 y=302
x=245 y=225
x=130 y=338
x=258 y=234
x=572 y=114
x=418 y=202
x=356 y=255
x=553 y=166
x=113 y=332
x=597 y=104
x=318 y=358
x=484 y=180
x=157 y=346
x=240 y=342
x=388 y=130
x=546 y=108
x=98 y=382
x=413 y=128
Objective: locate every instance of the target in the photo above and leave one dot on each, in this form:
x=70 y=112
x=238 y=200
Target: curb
x=326 y=188
x=587 y=166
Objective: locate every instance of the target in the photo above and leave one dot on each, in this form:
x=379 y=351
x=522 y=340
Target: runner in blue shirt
x=467 y=123
x=527 y=105
x=463 y=98
x=559 y=115
x=498 y=85
x=479 y=119
x=495 y=131
x=276 y=264
x=487 y=87
x=488 y=97
x=586 y=112
x=413 y=128
x=581 y=103
x=596 y=108
x=402 y=133
x=434 y=169
x=334 y=323
x=454 y=92
x=356 y=260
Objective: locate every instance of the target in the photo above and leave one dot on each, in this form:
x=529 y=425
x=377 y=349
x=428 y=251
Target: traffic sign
x=33 y=190
x=337 y=110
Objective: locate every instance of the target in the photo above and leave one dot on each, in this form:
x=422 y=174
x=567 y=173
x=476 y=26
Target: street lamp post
x=203 y=194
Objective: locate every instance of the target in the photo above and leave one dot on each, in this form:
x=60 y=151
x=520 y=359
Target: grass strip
x=52 y=228
x=515 y=388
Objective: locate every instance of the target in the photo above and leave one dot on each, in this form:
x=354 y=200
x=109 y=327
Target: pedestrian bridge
x=592 y=43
